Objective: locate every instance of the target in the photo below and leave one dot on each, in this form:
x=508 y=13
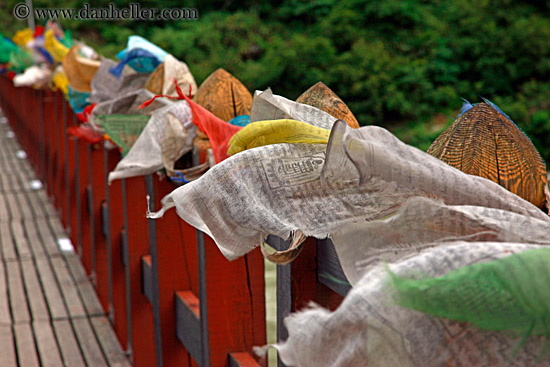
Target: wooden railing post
x=142 y=330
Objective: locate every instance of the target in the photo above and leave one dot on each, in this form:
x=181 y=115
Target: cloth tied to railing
x=218 y=131
x=379 y=200
x=371 y=328
x=365 y=173
x=167 y=136
x=105 y=86
x=86 y=133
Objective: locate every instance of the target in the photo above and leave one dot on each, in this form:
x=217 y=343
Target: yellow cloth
x=56 y=49
x=23 y=37
x=269 y=132
x=60 y=81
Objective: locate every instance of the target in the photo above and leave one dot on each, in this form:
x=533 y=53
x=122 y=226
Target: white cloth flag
x=268 y=106
x=423 y=222
x=364 y=174
x=368 y=329
x=379 y=200
x=146 y=155
x=106 y=86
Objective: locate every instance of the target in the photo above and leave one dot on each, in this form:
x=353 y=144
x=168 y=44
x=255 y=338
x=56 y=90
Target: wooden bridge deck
x=49 y=312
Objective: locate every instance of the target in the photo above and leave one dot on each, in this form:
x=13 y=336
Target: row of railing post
x=171 y=296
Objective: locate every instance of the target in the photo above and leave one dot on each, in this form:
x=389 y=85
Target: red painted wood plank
x=48 y=138
x=32 y=121
x=235 y=303
x=138 y=233
x=116 y=218
x=56 y=144
x=60 y=171
x=97 y=180
x=191 y=300
x=305 y=286
x=178 y=270
x=86 y=231
x=72 y=163
x=146 y=259
x=244 y=359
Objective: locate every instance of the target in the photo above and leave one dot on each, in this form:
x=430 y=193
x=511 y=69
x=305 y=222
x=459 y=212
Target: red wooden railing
x=171 y=296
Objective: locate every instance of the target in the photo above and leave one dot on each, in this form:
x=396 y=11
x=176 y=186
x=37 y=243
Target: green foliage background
x=400 y=64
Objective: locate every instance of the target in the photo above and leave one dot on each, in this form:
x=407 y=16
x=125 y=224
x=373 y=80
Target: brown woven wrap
x=485 y=143
x=325 y=99
x=156 y=79
x=80 y=70
x=224 y=95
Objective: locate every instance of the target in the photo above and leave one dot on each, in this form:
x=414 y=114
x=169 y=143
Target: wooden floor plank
x=35 y=296
x=17 y=296
x=24 y=206
x=38 y=210
x=51 y=289
x=68 y=345
x=109 y=342
x=48 y=240
x=24 y=343
x=10 y=163
x=50 y=314
x=6 y=242
x=35 y=244
x=21 y=244
x=56 y=227
x=49 y=209
x=15 y=213
x=25 y=170
x=3 y=157
x=8 y=146
x=15 y=183
x=5 y=316
x=88 y=343
x=68 y=288
x=4 y=211
x=85 y=288
x=8 y=358
x=48 y=350
x=4 y=183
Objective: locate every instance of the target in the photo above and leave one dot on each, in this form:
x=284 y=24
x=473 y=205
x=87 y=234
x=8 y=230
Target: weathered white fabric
x=177 y=70
x=128 y=104
x=34 y=76
x=368 y=329
x=364 y=174
x=421 y=223
x=380 y=200
x=268 y=106
x=146 y=155
x=106 y=86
